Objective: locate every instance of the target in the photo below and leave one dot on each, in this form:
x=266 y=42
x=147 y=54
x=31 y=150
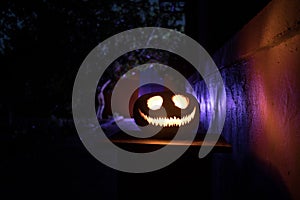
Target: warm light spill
x=168 y=122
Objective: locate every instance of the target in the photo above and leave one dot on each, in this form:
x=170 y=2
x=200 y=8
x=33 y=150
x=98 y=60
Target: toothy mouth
x=169 y=122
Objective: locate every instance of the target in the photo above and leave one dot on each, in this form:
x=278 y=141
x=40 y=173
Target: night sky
x=42 y=43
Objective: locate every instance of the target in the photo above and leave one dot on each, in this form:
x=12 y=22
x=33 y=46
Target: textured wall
x=260 y=66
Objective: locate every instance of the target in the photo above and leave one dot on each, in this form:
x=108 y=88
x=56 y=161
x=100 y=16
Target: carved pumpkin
x=165 y=109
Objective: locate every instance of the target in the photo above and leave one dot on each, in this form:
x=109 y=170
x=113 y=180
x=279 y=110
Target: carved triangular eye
x=180 y=101
x=155 y=102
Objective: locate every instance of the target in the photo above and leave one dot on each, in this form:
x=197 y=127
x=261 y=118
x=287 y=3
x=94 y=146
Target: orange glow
x=155 y=103
x=180 y=101
x=169 y=122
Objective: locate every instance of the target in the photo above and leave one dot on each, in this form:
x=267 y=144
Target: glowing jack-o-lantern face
x=155 y=103
x=165 y=109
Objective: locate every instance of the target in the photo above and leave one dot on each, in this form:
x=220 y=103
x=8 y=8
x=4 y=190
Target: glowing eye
x=180 y=101
x=154 y=103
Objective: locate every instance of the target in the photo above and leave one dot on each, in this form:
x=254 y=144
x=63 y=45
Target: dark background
x=42 y=44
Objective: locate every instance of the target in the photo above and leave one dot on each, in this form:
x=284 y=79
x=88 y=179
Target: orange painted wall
x=269 y=45
x=275 y=87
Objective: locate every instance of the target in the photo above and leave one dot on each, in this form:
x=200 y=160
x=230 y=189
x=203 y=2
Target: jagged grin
x=168 y=122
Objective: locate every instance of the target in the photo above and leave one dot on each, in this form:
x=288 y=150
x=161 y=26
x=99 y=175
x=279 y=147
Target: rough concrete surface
x=260 y=67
